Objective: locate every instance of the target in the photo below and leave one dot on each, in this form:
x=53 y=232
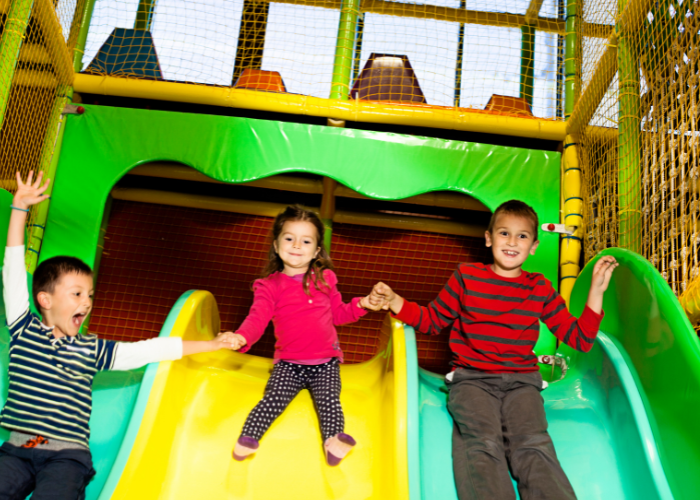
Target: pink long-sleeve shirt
x=304 y=324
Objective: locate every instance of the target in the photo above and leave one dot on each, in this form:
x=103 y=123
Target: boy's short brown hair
x=50 y=272
x=515 y=207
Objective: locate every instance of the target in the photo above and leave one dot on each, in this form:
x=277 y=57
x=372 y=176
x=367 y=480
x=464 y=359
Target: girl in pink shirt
x=298 y=293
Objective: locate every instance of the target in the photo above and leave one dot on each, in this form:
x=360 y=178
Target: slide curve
x=189 y=413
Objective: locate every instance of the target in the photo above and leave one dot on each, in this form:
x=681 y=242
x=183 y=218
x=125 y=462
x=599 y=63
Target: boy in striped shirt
x=52 y=366
x=493 y=312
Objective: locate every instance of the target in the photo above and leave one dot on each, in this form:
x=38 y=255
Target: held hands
x=389 y=300
x=231 y=340
x=29 y=193
x=372 y=303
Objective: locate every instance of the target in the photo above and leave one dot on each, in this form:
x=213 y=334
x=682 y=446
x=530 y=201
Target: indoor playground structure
x=174 y=131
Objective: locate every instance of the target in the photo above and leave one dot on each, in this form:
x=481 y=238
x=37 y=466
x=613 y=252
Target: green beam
x=358 y=47
x=527 y=63
x=560 y=64
x=629 y=140
x=344 y=49
x=10 y=43
x=144 y=15
x=571 y=62
x=82 y=35
x=460 y=59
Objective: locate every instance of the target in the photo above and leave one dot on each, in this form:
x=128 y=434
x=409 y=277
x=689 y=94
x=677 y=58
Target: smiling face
x=511 y=241
x=68 y=305
x=297 y=245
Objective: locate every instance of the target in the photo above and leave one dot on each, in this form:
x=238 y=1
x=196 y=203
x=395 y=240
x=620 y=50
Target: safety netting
x=448 y=53
x=154 y=253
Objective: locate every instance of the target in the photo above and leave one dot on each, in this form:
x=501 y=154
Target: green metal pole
x=571 y=74
x=527 y=63
x=358 y=47
x=460 y=59
x=144 y=15
x=79 y=49
x=344 y=48
x=560 y=64
x=629 y=140
x=10 y=43
x=52 y=142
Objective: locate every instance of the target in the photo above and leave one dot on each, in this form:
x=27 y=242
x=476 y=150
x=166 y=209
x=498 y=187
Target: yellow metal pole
x=353 y=110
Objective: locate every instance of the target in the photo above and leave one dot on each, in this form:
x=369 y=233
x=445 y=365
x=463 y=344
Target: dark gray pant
x=499 y=422
x=51 y=475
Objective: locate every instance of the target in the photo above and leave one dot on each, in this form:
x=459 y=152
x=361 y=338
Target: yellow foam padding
x=198 y=405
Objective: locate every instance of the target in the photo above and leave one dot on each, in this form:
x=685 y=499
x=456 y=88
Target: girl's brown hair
x=320 y=263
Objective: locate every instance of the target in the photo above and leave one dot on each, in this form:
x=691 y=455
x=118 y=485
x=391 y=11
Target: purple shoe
x=334 y=460
x=244 y=446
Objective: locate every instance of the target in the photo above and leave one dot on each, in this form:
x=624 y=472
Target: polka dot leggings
x=287 y=379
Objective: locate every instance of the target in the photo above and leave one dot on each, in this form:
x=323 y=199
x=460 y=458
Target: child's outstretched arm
x=131 y=355
x=14 y=274
x=580 y=333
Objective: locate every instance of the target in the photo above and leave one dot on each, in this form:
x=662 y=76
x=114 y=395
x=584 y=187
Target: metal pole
x=144 y=15
x=79 y=49
x=527 y=63
x=571 y=74
x=629 y=149
x=344 y=48
x=460 y=59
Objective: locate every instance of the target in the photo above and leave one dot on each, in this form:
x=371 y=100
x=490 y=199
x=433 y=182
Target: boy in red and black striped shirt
x=493 y=312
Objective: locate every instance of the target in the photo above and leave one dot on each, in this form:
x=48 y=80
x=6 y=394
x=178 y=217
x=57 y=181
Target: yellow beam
x=268 y=209
x=533 y=11
x=170 y=170
x=353 y=110
x=499 y=19
x=262 y=208
x=424 y=224
x=45 y=14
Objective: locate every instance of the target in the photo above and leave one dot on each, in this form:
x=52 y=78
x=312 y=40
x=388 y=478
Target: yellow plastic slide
x=197 y=407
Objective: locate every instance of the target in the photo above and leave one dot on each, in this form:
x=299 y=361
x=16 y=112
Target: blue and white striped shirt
x=50 y=391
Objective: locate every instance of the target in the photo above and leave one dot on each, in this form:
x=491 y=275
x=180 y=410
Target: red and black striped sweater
x=495 y=320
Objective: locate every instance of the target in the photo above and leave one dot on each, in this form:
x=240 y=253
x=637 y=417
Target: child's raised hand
x=29 y=193
x=602 y=272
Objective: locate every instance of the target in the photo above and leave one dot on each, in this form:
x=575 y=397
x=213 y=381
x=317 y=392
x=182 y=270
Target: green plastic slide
x=622 y=418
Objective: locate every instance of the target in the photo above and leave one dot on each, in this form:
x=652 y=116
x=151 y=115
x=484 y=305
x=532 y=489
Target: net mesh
x=639 y=150
x=446 y=53
x=36 y=72
x=154 y=253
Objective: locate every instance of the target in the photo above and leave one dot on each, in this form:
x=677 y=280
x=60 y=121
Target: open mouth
x=78 y=319
x=510 y=254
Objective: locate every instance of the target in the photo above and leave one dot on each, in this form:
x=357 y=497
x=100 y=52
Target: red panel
x=155 y=253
